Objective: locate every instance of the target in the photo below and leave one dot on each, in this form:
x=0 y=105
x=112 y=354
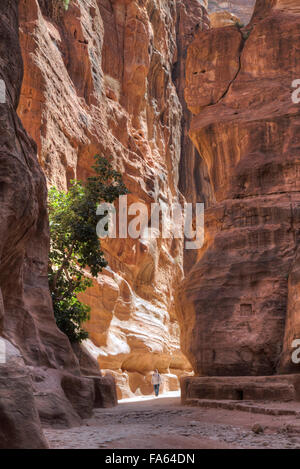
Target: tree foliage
x=75 y=246
x=66 y=4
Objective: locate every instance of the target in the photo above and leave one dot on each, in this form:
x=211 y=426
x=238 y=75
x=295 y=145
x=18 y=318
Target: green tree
x=66 y=4
x=75 y=246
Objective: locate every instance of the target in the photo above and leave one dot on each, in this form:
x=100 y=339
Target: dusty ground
x=163 y=422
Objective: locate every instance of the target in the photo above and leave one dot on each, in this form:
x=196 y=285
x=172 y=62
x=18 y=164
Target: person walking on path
x=156 y=381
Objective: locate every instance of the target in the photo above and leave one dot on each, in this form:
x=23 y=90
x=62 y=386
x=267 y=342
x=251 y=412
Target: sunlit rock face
x=243 y=9
x=36 y=359
x=239 y=304
x=220 y=19
x=104 y=78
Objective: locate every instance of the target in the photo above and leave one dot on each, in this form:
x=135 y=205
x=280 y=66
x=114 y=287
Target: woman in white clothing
x=156 y=381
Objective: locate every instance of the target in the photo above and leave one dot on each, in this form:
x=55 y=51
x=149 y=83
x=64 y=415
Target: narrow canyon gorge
x=192 y=102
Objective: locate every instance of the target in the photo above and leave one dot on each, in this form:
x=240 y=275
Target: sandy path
x=158 y=423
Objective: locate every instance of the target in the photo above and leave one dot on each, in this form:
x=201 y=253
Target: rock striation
x=243 y=9
x=220 y=19
x=32 y=348
x=186 y=112
x=108 y=77
x=238 y=306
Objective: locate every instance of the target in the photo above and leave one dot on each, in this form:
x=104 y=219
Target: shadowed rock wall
x=31 y=344
x=238 y=306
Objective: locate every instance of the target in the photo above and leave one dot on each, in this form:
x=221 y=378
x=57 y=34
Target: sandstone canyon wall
x=243 y=9
x=40 y=377
x=186 y=113
x=239 y=304
x=108 y=77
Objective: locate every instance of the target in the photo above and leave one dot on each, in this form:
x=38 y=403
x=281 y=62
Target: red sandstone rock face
x=219 y=19
x=102 y=79
x=241 y=388
x=20 y=425
x=234 y=302
x=99 y=80
x=242 y=8
x=193 y=175
x=33 y=343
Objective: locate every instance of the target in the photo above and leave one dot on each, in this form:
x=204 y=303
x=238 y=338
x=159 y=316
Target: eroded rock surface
x=32 y=340
x=98 y=79
x=243 y=9
x=20 y=425
x=283 y=388
x=234 y=302
x=219 y=19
